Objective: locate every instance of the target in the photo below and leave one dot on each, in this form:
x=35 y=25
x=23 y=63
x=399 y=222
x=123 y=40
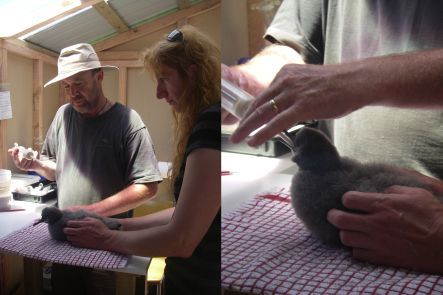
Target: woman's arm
x=196 y=208
x=147 y=221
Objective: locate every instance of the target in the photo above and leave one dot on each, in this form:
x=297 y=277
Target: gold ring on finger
x=274 y=105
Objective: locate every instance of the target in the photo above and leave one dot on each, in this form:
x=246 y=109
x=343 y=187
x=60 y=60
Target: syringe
x=27 y=153
x=236 y=101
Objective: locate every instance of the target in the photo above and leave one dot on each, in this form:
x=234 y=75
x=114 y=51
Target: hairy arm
x=255 y=75
x=45 y=168
x=312 y=92
x=124 y=200
x=196 y=208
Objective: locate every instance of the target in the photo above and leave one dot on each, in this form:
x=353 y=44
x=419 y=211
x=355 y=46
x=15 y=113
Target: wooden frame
x=122 y=59
x=3 y=123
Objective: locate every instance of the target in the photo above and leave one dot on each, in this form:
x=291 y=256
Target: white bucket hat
x=75 y=59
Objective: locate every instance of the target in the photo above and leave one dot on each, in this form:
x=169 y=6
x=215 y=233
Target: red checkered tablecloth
x=35 y=242
x=267 y=250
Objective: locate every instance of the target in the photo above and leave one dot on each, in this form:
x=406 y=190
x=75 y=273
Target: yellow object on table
x=154 y=275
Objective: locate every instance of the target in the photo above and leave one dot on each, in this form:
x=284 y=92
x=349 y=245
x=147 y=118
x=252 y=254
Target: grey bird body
x=323 y=177
x=57 y=220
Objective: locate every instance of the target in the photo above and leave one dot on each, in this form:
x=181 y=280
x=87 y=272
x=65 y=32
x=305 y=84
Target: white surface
x=22 y=180
x=15 y=220
x=251 y=175
x=236 y=189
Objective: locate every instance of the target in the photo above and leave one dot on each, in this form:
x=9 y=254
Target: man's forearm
x=123 y=201
x=266 y=64
x=405 y=80
x=45 y=168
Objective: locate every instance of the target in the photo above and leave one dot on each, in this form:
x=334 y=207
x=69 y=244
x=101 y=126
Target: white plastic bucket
x=5 y=182
x=5 y=188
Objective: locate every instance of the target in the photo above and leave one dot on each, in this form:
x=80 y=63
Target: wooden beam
x=111 y=16
x=182 y=4
x=260 y=15
x=3 y=124
x=123 y=85
x=156 y=25
x=124 y=63
x=181 y=22
x=24 y=49
x=37 y=103
x=84 y=4
x=118 y=55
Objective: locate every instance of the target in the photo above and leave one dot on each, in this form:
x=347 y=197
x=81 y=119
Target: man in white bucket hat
x=99 y=152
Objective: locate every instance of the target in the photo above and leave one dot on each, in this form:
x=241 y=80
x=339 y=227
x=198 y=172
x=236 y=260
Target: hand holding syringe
x=27 y=153
x=236 y=101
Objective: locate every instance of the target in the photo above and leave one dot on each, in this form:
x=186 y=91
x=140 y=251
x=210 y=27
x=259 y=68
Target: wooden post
x=37 y=104
x=3 y=79
x=260 y=14
x=123 y=85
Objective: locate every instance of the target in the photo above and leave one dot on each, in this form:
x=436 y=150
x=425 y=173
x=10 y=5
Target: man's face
x=83 y=90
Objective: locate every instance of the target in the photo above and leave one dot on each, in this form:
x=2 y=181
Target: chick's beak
x=38 y=221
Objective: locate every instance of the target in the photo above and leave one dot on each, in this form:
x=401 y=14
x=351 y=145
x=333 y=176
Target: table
x=267 y=250
x=246 y=176
x=129 y=278
x=249 y=175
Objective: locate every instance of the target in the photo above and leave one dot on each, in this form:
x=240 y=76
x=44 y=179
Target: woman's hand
x=89 y=233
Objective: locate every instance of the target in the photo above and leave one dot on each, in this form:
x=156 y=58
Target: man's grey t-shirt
x=98 y=157
x=336 y=31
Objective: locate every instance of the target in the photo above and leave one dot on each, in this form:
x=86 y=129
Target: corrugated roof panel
x=136 y=11
x=83 y=27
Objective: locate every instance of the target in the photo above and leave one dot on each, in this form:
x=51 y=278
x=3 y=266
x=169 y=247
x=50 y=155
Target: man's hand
x=21 y=162
x=239 y=77
x=299 y=93
x=402 y=227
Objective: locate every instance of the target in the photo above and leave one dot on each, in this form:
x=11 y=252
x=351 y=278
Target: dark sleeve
x=207 y=132
x=299 y=24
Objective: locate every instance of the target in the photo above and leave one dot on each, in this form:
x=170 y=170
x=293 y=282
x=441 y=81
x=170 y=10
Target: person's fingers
x=398 y=189
x=347 y=221
x=276 y=125
x=225 y=70
x=355 y=239
x=227 y=118
x=70 y=230
x=363 y=201
x=269 y=93
x=78 y=223
x=260 y=116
